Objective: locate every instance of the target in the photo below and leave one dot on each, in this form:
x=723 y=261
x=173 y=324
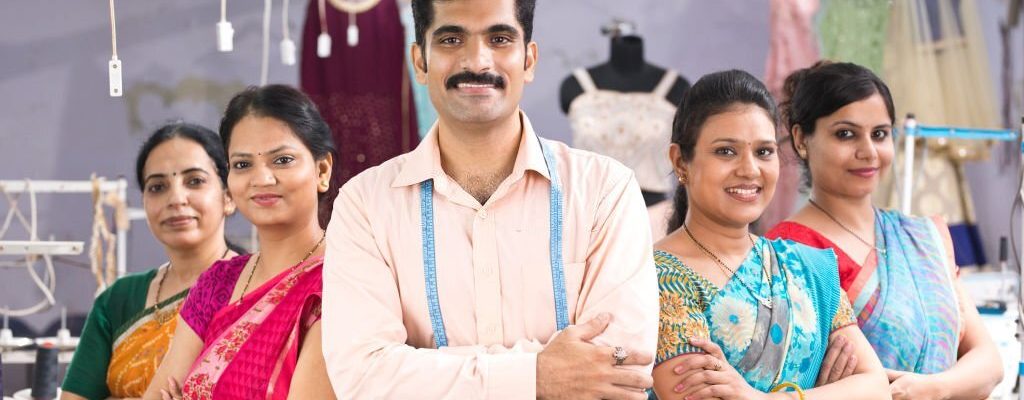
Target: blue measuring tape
x=555 y=203
x=953 y=132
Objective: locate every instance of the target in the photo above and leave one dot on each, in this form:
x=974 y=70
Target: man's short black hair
x=423 y=15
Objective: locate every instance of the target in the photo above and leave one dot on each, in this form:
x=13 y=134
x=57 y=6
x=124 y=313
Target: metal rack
x=45 y=249
x=912 y=131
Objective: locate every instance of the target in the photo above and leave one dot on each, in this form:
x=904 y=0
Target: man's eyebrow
x=503 y=28
x=448 y=29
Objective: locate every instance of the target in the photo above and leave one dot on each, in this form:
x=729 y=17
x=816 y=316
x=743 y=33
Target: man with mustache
x=488 y=262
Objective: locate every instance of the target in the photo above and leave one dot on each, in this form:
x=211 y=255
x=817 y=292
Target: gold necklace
x=881 y=251
x=162 y=317
x=257 y=264
x=732 y=273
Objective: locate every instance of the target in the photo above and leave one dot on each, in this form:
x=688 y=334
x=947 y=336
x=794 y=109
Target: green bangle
x=789 y=385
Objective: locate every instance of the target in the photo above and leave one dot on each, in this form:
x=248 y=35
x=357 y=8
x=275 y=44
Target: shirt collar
x=424 y=162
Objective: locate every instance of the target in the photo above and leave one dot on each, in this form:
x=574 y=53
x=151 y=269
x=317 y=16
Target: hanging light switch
x=323 y=45
x=114 y=69
x=225 y=37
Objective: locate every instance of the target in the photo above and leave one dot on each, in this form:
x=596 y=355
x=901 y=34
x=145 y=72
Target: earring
x=682 y=180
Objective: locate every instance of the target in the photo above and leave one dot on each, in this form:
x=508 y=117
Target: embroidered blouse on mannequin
x=624 y=109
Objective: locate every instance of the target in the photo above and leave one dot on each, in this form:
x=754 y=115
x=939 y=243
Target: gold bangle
x=789 y=385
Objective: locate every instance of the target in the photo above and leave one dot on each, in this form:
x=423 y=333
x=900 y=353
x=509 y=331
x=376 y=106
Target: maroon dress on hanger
x=363 y=92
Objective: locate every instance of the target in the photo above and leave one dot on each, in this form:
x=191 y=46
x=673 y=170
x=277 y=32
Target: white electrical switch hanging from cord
x=353 y=30
x=353 y=8
x=287 y=45
x=114 y=66
x=225 y=33
x=323 y=42
x=265 y=60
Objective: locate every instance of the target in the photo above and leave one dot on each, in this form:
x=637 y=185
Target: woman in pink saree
x=251 y=325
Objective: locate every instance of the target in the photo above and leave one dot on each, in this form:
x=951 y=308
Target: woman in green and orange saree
x=182 y=172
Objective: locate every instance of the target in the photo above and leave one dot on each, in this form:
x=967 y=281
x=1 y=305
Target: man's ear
x=532 y=54
x=419 y=62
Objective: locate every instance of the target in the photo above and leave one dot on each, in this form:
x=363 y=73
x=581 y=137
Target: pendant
x=162 y=316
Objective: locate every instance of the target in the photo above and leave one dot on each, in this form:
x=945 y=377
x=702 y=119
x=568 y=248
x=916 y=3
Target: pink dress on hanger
x=793 y=46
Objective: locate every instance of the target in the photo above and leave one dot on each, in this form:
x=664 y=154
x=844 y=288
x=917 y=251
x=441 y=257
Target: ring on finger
x=620 y=355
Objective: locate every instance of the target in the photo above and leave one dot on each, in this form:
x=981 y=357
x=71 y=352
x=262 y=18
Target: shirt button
x=360 y=157
x=482 y=214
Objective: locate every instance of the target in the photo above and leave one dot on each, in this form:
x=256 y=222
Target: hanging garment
x=793 y=46
x=936 y=66
x=363 y=92
x=633 y=128
x=425 y=112
x=854 y=31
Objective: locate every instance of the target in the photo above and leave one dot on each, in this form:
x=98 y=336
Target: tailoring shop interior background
x=78 y=99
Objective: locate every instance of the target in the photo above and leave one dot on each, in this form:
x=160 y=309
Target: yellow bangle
x=789 y=385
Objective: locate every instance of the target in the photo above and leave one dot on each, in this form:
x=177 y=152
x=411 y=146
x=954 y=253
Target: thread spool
x=44 y=381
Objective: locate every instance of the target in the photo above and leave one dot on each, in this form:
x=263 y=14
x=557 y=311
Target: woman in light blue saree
x=898 y=270
x=744 y=317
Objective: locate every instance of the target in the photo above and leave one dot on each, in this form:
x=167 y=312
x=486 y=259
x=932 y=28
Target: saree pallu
x=906 y=302
x=251 y=347
x=904 y=296
x=139 y=347
x=768 y=344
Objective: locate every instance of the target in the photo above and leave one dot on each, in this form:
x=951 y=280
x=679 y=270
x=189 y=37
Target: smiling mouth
x=744 y=193
x=865 y=172
x=178 y=221
x=475 y=85
x=265 y=199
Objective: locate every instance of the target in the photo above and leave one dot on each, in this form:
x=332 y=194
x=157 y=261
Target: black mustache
x=473 y=78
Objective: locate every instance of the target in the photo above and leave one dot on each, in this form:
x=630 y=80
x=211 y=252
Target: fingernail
x=679 y=369
x=679 y=388
x=696 y=341
x=603 y=317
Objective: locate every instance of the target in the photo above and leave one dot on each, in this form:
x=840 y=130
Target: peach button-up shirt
x=493 y=274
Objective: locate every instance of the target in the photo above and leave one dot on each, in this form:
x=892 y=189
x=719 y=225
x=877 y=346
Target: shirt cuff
x=512 y=376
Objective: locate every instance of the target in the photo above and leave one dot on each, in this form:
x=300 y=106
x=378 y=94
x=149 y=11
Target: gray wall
x=57 y=122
